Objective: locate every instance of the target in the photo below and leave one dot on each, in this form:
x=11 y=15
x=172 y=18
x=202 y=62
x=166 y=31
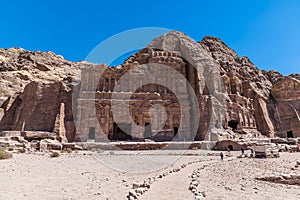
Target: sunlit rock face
x=173 y=89
x=286 y=107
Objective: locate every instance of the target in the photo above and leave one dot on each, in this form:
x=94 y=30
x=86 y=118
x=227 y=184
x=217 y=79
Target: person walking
x=222 y=156
x=252 y=153
x=243 y=151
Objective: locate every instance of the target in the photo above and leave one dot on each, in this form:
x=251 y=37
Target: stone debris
x=140 y=188
x=193 y=187
x=41 y=141
x=288 y=179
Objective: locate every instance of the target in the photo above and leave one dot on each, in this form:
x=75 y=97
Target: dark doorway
x=233 y=124
x=230 y=147
x=290 y=134
x=92 y=133
x=175 y=130
x=121 y=132
x=148 y=130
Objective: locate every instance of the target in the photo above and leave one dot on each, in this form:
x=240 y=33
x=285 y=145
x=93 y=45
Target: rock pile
x=31 y=140
x=288 y=179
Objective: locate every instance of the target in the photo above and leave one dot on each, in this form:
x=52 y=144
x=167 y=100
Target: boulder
x=37 y=135
x=72 y=146
x=48 y=144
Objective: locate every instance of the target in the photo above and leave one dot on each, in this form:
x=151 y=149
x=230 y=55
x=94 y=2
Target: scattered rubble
x=139 y=189
x=193 y=187
x=288 y=179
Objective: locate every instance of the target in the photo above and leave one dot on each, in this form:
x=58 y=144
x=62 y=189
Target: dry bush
x=22 y=150
x=66 y=150
x=69 y=150
x=4 y=154
x=54 y=154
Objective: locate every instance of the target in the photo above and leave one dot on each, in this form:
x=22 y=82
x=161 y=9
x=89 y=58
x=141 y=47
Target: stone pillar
x=59 y=127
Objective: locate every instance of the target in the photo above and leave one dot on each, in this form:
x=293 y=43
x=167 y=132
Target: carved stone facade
x=286 y=107
x=152 y=111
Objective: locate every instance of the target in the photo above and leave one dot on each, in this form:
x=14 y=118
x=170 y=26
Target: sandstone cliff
x=234 y=97
x=33 y=85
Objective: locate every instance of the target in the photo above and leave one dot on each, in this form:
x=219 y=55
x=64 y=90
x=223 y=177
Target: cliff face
x=246 y=86
x=274 y=98
x=19 y=67
x=38 y=108
x=233 y=96
x=285 y=106
x=33 y=85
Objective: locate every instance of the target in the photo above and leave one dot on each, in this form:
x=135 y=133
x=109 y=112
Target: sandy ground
x=110 y=175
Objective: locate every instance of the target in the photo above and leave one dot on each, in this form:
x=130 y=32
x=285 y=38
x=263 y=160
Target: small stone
x=195 y=183
x=228 y=188
x=140 y=190
x=191 y=187
x=199 y=196
x=131 y=198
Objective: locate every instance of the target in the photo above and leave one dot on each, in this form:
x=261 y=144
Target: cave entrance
x=290 y=134
x=121 y=131
x=148 y=130
x=92 y=135
x=230 y=147
x=233 y=124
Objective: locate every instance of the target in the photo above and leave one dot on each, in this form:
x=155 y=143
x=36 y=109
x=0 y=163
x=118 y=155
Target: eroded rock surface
x=234 y=98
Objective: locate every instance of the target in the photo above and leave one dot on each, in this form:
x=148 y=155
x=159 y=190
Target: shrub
x=69 y=150
x=66 y=150
x=63 y=151
x=10 y=149
x=4 y=154
x=21 y=150
x=54 y=154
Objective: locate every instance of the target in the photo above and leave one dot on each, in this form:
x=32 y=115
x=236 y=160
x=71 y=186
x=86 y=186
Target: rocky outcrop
x=247 y=88
x=286 y=107
x=39 y=91
x=288 y=179
x=19 y=67
x=37 y=108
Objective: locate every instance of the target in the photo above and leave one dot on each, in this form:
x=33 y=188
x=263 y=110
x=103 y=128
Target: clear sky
x=267 y=31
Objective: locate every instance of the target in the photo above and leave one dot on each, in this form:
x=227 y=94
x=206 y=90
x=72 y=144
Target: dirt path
x=175 y=185
x=82 y=176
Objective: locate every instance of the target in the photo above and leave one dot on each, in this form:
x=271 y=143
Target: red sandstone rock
x=233 y=95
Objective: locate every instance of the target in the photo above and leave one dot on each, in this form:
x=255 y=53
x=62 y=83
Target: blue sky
x=268 y=32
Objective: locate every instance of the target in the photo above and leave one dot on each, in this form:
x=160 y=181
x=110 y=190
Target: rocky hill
x=234 y=96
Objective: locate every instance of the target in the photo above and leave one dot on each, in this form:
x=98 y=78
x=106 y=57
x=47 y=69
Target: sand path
x=175 y=185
